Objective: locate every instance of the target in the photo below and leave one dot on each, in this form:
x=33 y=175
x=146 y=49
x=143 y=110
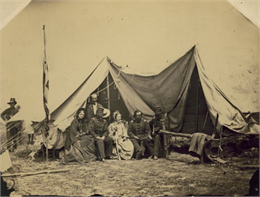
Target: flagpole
x=45 y=91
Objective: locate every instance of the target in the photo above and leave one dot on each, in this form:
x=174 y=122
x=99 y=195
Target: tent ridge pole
x=108 y=95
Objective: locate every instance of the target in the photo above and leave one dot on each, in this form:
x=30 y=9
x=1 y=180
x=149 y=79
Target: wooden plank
x=176 y=134
x=34 y=173
x=185 y=135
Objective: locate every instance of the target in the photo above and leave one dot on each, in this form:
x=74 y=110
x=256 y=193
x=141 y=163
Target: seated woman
x=118 y=132
x=79 y=145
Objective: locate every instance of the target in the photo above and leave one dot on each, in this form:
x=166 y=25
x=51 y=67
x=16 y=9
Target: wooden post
x=205 y=121
x=197 y=105
x=165 y=140
x=108 y=96
x=215 y=127
x=220 y=143
x=47 y=152
x=35 y=173
x=170 y=133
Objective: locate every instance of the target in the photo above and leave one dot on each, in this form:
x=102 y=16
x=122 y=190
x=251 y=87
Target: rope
x=10 y=127
x=30 y=159
x=105 y=88
x=16 y=142
x=131 y=79
x=10 y=140
x=119 y=73
x=16 y=135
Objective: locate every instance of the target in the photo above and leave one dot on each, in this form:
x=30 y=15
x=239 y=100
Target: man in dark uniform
x=12 y=127
x=92 y=107
x=139 y=133
x=98 y=128
x=156 y=124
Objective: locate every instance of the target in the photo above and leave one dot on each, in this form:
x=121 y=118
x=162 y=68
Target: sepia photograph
x=129 y=98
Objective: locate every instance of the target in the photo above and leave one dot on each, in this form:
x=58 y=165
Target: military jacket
x=140 y=129
x=98 y=127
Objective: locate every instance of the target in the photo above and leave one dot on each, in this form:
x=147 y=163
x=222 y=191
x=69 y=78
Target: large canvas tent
x=146 y=41
x=169 y=89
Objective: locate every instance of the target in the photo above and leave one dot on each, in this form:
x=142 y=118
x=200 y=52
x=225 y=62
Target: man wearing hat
x=156 y=124
x=98 y=128
x=12 y=126
x=92 y=107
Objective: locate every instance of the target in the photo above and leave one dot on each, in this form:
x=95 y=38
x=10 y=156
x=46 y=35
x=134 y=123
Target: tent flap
x=229 y=115
x=168 y=89
x=65 y=113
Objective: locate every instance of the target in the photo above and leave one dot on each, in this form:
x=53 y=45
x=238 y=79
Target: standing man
x=91 y=109
x=139 y=133
x=156 y=124
x=98 y=128
x=12 y=126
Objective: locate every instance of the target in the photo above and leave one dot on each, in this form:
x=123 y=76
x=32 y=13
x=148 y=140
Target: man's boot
x=139 y=155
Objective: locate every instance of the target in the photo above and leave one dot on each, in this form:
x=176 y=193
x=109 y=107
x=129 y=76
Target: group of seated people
x=89 y=137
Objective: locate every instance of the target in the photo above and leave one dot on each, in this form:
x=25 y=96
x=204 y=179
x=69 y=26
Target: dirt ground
x=181 y=175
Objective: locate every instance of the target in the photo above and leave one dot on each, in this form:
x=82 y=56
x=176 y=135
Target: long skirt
x=125 y=148
x=83 y=150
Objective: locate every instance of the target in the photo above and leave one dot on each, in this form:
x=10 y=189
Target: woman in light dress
x=118 y=132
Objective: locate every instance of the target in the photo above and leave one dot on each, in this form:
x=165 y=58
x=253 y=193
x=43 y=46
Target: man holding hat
x=12 y=126
x=98 y=128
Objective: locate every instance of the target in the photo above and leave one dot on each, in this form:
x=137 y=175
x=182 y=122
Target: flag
x=45 y=81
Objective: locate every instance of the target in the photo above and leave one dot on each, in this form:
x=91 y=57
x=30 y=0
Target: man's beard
x=138 y=119
x=157 y=116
